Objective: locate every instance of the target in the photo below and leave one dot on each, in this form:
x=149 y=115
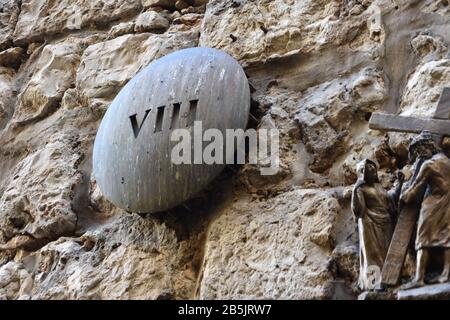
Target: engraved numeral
x=175 y=115
x=134 y=124
x=173 y=122
x=192 y=113
x=159 y=118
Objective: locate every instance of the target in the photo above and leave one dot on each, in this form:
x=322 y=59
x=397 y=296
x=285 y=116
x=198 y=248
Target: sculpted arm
x=358 y=202
x=418 y=185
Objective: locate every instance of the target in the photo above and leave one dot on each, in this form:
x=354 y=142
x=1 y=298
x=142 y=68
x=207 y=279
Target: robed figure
x=375 y=210
x=433 y=226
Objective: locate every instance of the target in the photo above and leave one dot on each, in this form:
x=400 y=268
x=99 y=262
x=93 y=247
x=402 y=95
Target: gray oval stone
x=132 y=150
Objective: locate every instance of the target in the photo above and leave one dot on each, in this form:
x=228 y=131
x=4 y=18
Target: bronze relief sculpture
x=437 y=126
x=433 y=225
x=375 y=210
x=421 y=213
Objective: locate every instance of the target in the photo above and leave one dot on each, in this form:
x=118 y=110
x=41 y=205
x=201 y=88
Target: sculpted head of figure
x=367 y=170
x=423 y=146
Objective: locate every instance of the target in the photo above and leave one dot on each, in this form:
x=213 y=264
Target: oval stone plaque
x=132 y=151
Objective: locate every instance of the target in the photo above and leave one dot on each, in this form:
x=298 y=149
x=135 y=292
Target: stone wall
x=318 y=69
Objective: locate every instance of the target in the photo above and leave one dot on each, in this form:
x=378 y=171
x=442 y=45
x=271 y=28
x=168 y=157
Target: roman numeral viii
x=161 y=113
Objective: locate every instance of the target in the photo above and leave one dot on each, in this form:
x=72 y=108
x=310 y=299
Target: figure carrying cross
x=426 y=199
x=433 y=227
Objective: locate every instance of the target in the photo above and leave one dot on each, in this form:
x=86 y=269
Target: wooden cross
x=439 y=124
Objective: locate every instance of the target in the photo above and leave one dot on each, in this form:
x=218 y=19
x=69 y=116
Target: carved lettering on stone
x=132 y=150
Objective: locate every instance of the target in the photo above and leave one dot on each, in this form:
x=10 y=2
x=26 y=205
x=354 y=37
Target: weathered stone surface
x=329 y=113
x=54 y=73
x=37 y=199
x=186 y=22
x=425 y=46
x=121 y=29
x=43 y=18
x=424 y=84
x=440 y=7
x=151 y=20
x=15 y=282
x=8 y=18
x=303 y=58
x=281 y=247
x=107 y=66
x=6 y=95
x=280 y=28
x=45 y=203
x=128 y=258
x=217 y=95
x=424 y=88
x=346 y=264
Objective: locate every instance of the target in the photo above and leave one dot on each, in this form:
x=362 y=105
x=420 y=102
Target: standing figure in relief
x=376 y=211
x=433 y=226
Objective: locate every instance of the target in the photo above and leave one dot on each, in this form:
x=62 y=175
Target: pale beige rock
x=151 y=20
x=8 y=17
x=186 y=22
x=15 y=282
x=424 y=88
x=193 y=9
x=346 y=264
x=330 y=113
x=430 y=76
x=427 y=46
x=107 y=66
x=279 y=28
x=280 y=247
x=43 y=18
x=424 y=84
x=99 y=202
x=121 y=29
x=37 y=199
x=6 y=95
x=127 y=258
x=72 y=99
x=317 y=70
x=364 y=145
x=54 y=73
x=441 y=7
